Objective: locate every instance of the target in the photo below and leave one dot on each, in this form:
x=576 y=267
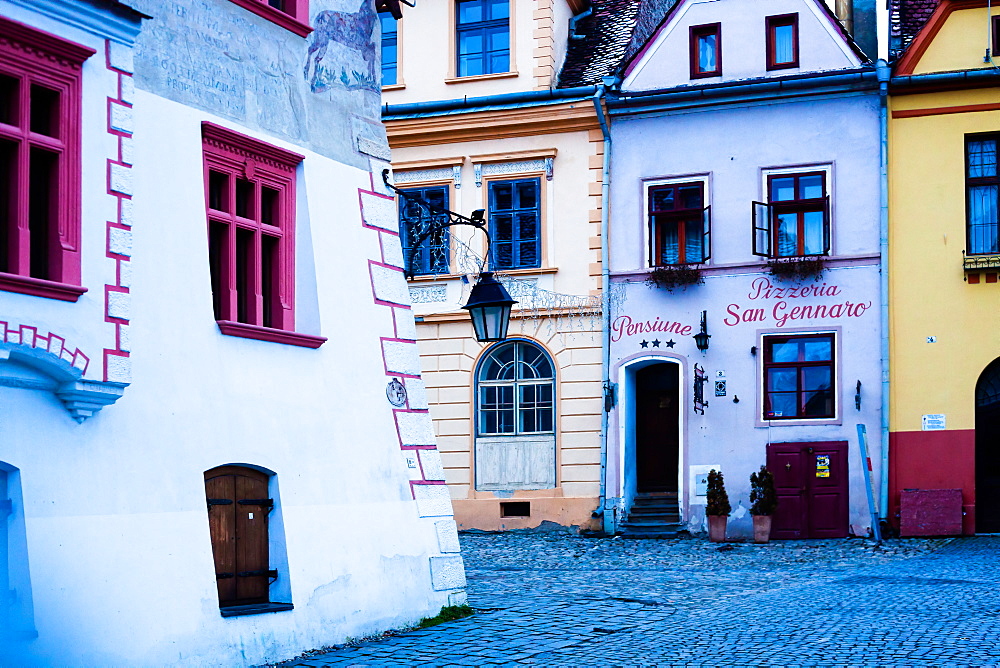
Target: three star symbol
x=656 y=343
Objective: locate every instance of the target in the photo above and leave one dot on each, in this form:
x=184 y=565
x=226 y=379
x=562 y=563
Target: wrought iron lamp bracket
x=436 y=225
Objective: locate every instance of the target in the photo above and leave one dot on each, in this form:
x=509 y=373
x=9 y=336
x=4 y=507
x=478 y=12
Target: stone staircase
x=653 y=515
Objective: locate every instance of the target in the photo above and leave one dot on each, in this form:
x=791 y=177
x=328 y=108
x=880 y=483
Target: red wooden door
x=237 y=519
x=812 y=489
x=786 y=462
x=827 y=494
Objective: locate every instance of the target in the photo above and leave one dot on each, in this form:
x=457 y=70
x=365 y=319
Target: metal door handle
x=788 y=467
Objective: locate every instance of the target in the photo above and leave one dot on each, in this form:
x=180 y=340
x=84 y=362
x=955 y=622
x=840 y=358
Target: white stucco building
x=214 y=440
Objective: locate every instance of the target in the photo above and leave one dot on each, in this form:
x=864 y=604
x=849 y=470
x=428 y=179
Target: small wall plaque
x=933 y=422
x=395 y=391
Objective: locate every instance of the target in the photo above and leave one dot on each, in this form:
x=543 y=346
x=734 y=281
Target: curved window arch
x=515 y=390
x=988 y=387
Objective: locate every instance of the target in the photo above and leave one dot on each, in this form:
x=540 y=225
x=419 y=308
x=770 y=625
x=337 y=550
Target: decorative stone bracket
x=519 y=167
x=27 y=366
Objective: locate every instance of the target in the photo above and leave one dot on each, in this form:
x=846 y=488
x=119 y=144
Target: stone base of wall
x=545 y=512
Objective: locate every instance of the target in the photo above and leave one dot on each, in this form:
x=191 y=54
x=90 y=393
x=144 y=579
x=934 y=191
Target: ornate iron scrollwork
x=438 y=219
x=699 y=389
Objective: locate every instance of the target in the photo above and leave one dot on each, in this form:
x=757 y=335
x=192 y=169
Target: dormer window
x=706 y=50
x=782 y=41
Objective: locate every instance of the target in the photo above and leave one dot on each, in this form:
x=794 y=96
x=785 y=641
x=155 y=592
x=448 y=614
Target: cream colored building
x=480 y=125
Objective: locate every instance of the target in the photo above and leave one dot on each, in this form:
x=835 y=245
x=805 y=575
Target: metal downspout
x=883 y=72
x=607 y=514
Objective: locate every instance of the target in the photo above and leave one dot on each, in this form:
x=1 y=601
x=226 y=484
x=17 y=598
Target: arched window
x=515 y=390
x=988 y=387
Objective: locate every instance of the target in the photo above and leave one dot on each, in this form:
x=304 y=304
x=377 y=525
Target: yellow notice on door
x=822 y=466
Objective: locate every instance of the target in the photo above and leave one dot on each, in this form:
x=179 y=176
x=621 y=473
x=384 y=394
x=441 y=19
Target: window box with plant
x=717 y=507
x=763 y=503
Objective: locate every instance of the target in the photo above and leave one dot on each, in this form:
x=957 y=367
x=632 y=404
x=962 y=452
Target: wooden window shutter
x=238 y=508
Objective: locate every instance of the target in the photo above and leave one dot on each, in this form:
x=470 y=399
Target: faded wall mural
x=335 y=32
x=217 y=56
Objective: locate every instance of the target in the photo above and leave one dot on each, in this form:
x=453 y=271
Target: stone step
x=647 y=510
x=641 y=536
x=661 y=531
x=655 y=520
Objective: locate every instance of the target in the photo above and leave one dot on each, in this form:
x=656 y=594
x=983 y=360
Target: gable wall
x=959 y=45
x=666 y=62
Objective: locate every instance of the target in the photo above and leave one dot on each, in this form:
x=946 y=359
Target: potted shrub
x=763 y=502
x=673 y=276
x=717 y=508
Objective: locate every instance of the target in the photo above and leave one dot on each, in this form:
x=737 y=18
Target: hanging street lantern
x=489 y=302
x=702 y=337
x=489 y=306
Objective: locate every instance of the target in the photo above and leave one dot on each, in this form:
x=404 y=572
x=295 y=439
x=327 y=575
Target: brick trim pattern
x=117 y=294
x=401 y=362
x=50 y=342
x=596 y=167
x=544 y=71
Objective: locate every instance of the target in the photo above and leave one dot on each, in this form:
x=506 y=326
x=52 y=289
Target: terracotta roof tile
x=906 y=18
x=605 y=37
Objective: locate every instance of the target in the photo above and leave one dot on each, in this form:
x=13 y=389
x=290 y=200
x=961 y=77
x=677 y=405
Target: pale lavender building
x=746 y=157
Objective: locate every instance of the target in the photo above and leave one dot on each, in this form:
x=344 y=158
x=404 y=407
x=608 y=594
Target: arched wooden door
x=238 y=506
x=988 y=450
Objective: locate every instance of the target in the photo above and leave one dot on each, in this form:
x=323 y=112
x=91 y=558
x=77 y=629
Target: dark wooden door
x=787 y=463
x=811 y=480
x=657 y=428
x=988 y=468
x=237 y=519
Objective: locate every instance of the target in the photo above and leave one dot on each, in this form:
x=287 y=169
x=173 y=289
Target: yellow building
x=476 y=120
x=944 y=137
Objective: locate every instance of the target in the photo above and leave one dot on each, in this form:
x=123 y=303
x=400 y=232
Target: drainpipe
x=883 y=72
x=576 y=19
x=607 y=514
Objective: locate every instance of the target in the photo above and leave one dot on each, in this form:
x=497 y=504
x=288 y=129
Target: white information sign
x=933 y=422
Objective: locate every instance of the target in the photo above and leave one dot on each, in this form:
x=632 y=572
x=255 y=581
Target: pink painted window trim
x=270 y=334
x=295 y=18
x=37 y=287
x=42 y=72
x=250 y=211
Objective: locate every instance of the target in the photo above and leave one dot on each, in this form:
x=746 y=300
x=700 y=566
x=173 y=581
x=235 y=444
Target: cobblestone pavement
x=557 y=599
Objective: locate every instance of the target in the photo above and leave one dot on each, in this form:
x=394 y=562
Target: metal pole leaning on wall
x=866 y=469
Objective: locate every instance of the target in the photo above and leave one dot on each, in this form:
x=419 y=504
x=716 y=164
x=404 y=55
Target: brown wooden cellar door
x=238 y=507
